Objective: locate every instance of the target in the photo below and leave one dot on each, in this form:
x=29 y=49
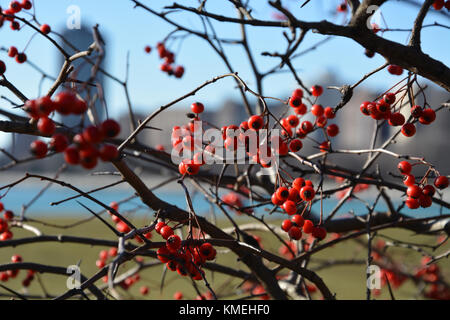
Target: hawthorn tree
x=185 y=241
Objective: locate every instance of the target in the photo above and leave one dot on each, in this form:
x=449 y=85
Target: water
x=23 y=194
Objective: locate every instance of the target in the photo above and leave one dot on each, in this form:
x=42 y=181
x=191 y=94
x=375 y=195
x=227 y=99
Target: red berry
x=282 y=193
x=306 y=127
x=103 y=255
x=317 y=110
x=301 y=109
x=321 y=121
x=1 y=206
x=58 y=143
x=438 y=4
x=92 y=134
x=71 y=155
x=292 y=120
x=365 y=108
x=166 y=232
x=8 y=215
x=163 y=254
x=2 y=67
x=396 y=119
x=307 y=193
x=416 y=111
x=15 y=6
x=45 y=29
x=404 y=167
x=12 y=52
x=414 y=191
x=173 y=243
x=100 y=263
x=428 y=190
x=158 y=226
x=441 y=182
x=197 y=107
x=332 y=130
x=295 y=145
x=427 y=117
x=45 y=106
x=408 y=129
x=88 y=157
x=110 y=128
x=38 y=148
x=178 y=295
x=144 y=290
x=16 y=258
x=179 y=71
x=182 y=168
x=389 y=98
x=15 y=25
x=286 y=225
x=298 y=220
x=297 y=93
x=65 y=102
x=409 y=180
x=80 y=107
x=207 y=251
x=290 y=207
x=122 y=227
x=295 y=233
x=308 y=226
x=316 y=90
x=6 y=235
x=148 y=49
x=21 y=57
x=276 y=201
x=46 y=126
x=319 y=232
x=329 y=113
x=298 y=183
x=109 y=152
x=255 y=122
x=192 y=168
x=26 y=4
x=412 y=203
x=425 y=201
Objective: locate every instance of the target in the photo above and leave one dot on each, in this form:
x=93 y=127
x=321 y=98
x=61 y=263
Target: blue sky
x=129 y=30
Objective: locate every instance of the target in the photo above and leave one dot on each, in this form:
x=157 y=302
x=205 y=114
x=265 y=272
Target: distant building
x=81 y=39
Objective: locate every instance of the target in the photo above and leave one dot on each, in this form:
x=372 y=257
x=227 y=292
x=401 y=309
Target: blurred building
x=79 y=40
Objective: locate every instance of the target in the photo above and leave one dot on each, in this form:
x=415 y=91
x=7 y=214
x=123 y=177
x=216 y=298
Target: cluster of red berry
x=5 y=233
x=14 y=7
x=420 y=194
x=385 y=108
x=11 y=274
x=185 y=260
x=439 y=4
x=322 y=116
x=169 y=60
x=301 y=191
x=295 y=226
x=87 y=146
x=183 y=138
x=432 y=273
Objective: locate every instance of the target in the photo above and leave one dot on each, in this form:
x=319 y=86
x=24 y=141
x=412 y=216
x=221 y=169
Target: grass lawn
x=347 y=281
